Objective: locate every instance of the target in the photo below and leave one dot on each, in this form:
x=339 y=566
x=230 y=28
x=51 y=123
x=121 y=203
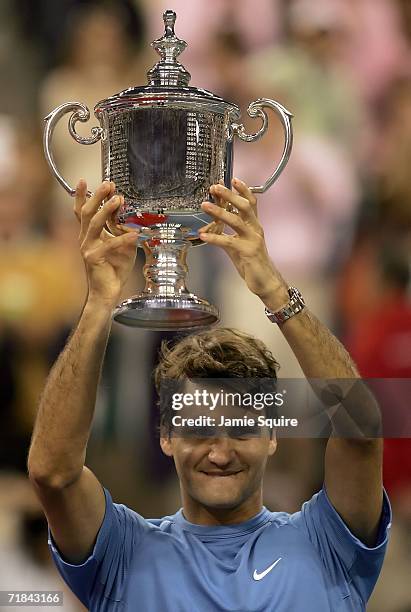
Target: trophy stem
x=166 y=304
x=165 y=269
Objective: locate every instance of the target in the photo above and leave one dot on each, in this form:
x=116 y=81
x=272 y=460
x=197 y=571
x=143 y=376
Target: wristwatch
x=294 y=306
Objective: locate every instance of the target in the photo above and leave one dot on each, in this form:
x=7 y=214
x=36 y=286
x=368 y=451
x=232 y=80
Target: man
x=223 y=550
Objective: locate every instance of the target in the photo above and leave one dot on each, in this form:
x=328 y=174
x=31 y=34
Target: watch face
x=295 y=295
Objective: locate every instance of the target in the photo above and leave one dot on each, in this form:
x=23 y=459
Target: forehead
x=215 y=393
x=216 y=407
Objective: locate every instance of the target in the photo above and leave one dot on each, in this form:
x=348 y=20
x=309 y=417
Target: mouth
x=226 y=474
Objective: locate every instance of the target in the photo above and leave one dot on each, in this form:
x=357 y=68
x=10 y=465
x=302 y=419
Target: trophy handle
x=80 y=112
x=256 y=109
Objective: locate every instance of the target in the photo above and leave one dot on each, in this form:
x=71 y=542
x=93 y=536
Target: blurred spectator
x=32 y=266
x=198 y=25
x=392 y=167
x=19 y=66
x=48 y=25
x=100 y=61
x=375 y=302
x=318 y=193
x=24 y=557
x=377 y=52
x=404 y=8
x=385 y=215
x=374 y=295
x=309 y=214
x=310 y=71
x=378 y=336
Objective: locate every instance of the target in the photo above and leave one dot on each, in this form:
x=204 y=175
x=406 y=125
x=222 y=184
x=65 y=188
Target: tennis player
x=222 y=551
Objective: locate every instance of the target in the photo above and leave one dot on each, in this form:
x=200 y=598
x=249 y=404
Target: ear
x=272 y=445
x=166 y=446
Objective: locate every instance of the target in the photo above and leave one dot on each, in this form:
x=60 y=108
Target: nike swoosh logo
x=258 y=576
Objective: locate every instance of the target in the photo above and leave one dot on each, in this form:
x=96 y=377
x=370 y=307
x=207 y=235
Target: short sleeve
x=102 y=574
x=341 y=551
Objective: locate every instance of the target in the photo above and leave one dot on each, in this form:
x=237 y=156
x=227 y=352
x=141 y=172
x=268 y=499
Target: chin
x=219 y=494
x=219 y=500
x=220 y=504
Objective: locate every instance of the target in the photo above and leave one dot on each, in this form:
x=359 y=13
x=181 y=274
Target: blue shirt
x=303 y=562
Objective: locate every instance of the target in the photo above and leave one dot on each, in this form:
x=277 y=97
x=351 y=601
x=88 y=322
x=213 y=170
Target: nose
x=221 y=451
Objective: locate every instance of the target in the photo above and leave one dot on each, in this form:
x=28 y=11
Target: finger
x=244 y=206
x=215 y=227
x=229 y=218
x=111 y=192
x=244 y=190
x=100 y=218
x=223 y=240
x=220 y=201
x=126 y=242
x=80 y=197
x=90 y=207
x=106 y=234
x=216 y=197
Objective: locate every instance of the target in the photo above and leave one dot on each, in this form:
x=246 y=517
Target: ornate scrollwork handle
x=256 y=109
x=80 y=112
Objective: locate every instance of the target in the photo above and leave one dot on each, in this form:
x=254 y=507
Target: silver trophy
x=164 y=144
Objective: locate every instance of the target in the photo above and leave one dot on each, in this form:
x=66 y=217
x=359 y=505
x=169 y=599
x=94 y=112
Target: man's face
x=220 y=472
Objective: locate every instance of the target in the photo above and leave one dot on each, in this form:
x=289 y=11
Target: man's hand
x=108 y=259
x=246 y=248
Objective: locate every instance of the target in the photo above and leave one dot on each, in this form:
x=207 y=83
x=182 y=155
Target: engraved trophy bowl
x=164 y=144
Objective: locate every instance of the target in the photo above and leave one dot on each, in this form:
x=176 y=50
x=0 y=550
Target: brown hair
x=217 y=353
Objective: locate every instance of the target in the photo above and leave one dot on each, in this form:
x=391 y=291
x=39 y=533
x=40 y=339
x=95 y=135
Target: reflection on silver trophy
x=164 y=144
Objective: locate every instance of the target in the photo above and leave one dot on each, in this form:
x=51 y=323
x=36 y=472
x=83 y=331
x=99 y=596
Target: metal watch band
x=294 y=306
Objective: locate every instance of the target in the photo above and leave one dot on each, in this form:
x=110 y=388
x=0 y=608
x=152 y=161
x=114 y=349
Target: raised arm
x=72 y=497
x=353 y=465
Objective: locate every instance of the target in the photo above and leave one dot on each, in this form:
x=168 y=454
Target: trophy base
x=167 y=313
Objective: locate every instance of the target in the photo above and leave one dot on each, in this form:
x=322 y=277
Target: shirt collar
x=223 y=531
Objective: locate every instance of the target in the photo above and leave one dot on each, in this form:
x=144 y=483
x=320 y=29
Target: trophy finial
x=169 y=71
x=169 y=18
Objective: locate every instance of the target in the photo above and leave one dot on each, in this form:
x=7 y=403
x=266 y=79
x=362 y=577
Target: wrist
x=276 y=295
x=97 y=308
x=295 y=305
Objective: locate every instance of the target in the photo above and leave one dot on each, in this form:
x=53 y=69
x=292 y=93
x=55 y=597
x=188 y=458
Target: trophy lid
x=169 y=71
x=168 y=81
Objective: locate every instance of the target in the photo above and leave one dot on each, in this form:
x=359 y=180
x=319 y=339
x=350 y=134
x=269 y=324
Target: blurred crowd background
x=337 y=224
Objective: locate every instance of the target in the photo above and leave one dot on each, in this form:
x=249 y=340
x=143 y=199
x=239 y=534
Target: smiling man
x=222 y=551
